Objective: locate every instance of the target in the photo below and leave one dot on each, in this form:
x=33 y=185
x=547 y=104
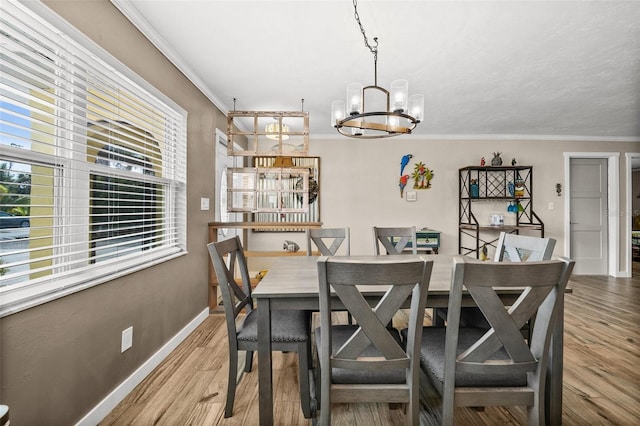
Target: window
x=92 y=163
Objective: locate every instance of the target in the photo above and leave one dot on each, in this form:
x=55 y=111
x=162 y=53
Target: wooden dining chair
x=368 y=362
x=395 y=240
x=328 y=241
x=290 y=330
x=497 y=366
x=522 y=248
x=510 y=248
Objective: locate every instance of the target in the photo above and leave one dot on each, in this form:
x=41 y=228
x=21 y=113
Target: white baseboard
x=100 y=411
x=623 y=274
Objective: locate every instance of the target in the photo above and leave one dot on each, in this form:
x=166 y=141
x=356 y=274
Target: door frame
x=630 y=156
x=222 y=140
x=613 y=206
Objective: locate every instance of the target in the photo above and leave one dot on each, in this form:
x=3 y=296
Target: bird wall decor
x=403 y=182
x=421 y=175
x=404 y=162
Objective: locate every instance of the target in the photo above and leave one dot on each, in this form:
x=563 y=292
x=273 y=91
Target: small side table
x=428 y=240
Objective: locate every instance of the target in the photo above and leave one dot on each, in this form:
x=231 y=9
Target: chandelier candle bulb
x=354 y=95
x=416 y=107
x=337 y=112
x=399 y=94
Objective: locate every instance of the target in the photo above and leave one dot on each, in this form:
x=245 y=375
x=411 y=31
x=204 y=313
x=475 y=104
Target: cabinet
x=427 y=240
x=504 y=189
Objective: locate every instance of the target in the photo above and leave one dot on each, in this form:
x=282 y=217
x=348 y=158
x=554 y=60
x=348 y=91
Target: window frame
x=63 y=281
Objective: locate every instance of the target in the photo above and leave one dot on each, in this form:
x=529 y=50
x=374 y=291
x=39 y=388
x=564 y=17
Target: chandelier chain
x=373 y=49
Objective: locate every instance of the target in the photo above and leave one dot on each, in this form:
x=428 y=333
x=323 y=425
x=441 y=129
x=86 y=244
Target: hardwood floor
x=601 y=374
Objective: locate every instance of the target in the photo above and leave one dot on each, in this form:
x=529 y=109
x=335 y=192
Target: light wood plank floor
x=601 y=376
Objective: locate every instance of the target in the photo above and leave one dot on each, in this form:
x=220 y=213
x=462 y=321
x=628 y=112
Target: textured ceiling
x=567 y=69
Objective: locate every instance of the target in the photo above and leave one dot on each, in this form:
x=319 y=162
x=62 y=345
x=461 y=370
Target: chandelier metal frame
x=354 y=124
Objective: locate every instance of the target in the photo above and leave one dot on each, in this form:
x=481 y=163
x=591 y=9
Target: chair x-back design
x=368 y=362
x=395 y=240
x=290 y=330
x=328 y=241
x=475 y=367
x=510 y=248
x=522 y=248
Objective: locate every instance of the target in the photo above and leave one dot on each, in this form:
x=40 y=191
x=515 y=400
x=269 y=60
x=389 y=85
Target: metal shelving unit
x=501 y=184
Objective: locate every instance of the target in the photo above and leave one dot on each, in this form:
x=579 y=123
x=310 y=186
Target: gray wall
x=60 y=359
x=359 y=187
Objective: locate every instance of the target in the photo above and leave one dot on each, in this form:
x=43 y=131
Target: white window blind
x=92 y=163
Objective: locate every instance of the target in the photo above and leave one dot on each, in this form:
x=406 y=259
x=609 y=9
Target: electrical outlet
x=204 y=203
x=127 y=339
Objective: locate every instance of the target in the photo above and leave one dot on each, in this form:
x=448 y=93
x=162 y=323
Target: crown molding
x=494 y=137
x=132 y=14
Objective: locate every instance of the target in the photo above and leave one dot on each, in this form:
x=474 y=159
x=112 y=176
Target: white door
x=588 y=215
x=224 y=161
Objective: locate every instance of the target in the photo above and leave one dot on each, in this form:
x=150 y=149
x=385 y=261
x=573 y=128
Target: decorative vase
x=474 y=189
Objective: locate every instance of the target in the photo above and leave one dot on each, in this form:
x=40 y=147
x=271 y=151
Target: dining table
x=292 y=283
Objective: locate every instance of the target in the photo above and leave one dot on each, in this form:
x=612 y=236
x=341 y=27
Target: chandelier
x=401 y=113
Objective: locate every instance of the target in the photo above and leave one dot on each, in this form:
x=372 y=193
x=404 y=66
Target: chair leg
x=231 y=385
x=535 y=412
x=248 y=362
x=448 y=408
x=412 y=412
x=324 y=397
x=325 y=411
x=316 y=378
x=303 y=373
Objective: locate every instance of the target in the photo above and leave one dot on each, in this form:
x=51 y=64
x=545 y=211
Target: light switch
x=551 y=206
x=204 y=203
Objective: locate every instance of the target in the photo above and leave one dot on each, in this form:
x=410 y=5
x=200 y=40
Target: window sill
x=36 y=293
